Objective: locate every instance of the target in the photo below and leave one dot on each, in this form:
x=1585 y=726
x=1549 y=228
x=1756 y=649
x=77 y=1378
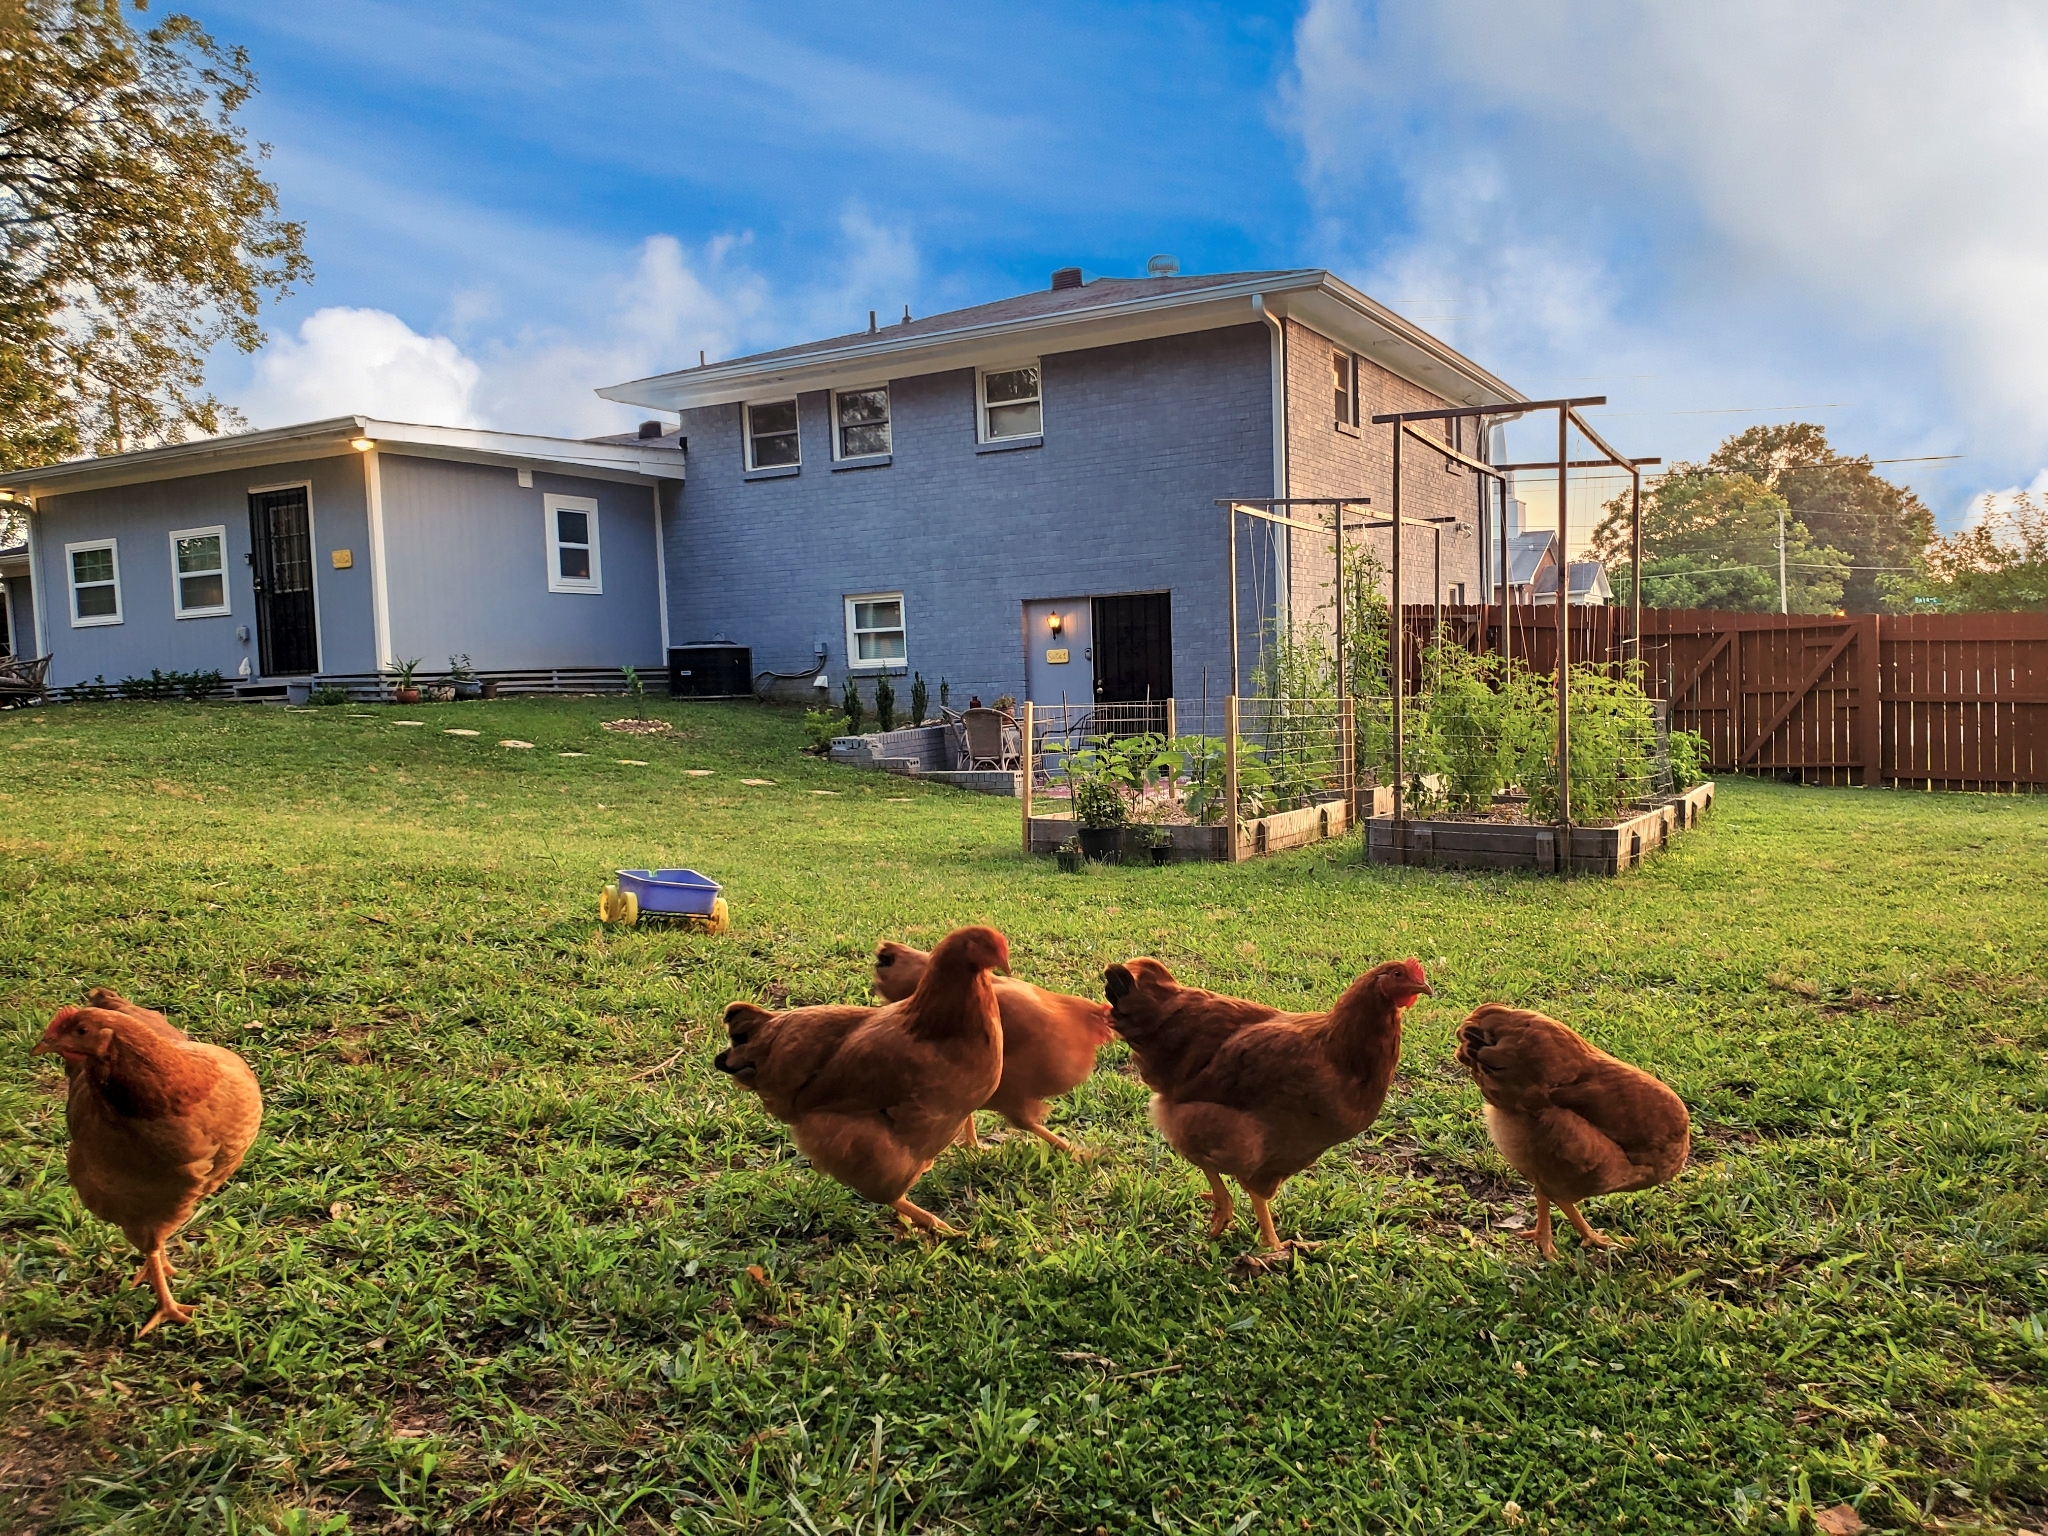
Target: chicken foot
x=921 y=1218
x=1278 y=1249
x=142 y=1273
x=967 y=1135
x=1542 y=1238
x=1221 y=1207
x=168 y=1309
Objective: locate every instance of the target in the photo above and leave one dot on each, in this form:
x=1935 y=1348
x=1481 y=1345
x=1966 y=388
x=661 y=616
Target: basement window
x=573 y=563
x=199 y=574
x=772 y=440
x=874 y=630
x=95 y=571
x=860 y=419
x=1011 y=405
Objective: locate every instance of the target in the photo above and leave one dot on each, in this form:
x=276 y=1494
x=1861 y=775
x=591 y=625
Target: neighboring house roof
x=1104 y=312
x=1589 y=584
x=1526 y=554
x=13 y=559
x=324 y=439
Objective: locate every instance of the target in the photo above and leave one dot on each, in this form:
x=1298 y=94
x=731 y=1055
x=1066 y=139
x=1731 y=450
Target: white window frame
x=94 y=621
x=981 y=432
x=882 y=663
x=747 y=431
x=1349 y=362
x=838 y=447
x=226 y=605
x=550 y=504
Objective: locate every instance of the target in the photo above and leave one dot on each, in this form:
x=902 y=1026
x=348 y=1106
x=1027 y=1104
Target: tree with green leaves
x=1882 y=530
x=1710 y=540
x=1999 y=564
x=136 y=232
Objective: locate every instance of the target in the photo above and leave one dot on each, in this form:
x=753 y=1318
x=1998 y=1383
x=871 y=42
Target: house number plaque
x=1057 y=656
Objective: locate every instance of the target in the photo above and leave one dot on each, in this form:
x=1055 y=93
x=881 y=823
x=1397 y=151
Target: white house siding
x=466 y=549
x=141 y=518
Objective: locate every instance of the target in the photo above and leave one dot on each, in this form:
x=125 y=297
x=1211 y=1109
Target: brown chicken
x=1572 y=1120
x=1243 y=1089
x=159 y=1121
x=873 y=1095
x=1049 y=1041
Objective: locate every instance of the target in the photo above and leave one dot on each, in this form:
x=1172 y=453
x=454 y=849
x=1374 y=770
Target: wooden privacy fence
x=1941 y=701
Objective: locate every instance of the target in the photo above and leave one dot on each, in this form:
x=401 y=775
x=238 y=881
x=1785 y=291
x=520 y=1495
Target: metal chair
x=992 y=739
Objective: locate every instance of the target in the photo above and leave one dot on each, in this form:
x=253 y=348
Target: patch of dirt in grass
x=639 y=727
x=1410 y=1161
x=276 y=970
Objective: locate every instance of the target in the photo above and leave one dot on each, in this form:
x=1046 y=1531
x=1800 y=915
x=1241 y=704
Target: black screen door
x=1134 y=651
x=281 y=534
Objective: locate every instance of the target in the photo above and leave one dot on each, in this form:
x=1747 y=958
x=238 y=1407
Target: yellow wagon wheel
x=717 y=920
x=617 y=906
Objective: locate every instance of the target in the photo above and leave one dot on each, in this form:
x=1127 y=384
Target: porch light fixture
x=362 y=444
x=1054 y=622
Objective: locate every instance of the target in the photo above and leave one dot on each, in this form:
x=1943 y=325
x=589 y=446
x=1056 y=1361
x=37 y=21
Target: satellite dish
x=1163 y=266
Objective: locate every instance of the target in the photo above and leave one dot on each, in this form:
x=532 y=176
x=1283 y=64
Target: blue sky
x=1712 y=215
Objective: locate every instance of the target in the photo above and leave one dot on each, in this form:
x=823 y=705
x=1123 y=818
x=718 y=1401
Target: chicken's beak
x=1424 y=989
x=42 y=1047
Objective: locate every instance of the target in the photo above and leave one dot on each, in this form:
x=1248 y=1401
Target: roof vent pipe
x=871 y=322
x=1066 y=277
x=650 y=429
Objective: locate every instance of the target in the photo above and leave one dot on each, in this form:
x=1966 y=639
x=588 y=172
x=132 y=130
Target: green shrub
x=820 y=726
x=326 y=694
x=920 y=699
x=885 y=704
x=850 y=705
x=1613 y=737
x=1099 y=802
x=1690 y=759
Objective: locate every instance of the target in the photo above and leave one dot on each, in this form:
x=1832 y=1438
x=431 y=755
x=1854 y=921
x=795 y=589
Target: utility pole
x=1782 y=608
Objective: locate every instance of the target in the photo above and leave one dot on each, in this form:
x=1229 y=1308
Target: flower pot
x=1162 y=853
x=406 y=695
x=1103 y=845
x=1070 y=860
x=488 y=688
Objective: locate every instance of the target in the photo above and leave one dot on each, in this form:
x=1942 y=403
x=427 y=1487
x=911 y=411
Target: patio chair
x=23 y=681
x=992 y=739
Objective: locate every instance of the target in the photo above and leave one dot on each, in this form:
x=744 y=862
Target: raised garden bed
x=1478 y=844
x=1200 y=844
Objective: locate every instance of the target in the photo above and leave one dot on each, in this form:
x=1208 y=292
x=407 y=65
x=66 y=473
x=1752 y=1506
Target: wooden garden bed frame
x=1536 y=846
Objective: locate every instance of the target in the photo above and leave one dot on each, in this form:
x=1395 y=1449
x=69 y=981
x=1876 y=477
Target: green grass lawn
x=493 y=1261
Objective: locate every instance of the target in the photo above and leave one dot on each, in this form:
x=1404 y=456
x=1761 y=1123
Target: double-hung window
x=874 y=630
x=199 y=572
x=573 y=563
x=772 y=440
x=1344 y=365
x=95 y=571
x=860 y=418
x=1011 y=404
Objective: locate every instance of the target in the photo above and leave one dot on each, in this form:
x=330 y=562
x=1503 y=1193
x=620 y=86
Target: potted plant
x=402 y=688
x=462 y=677
x=1101 y=815
x=1161 y=843
x=1070 y=856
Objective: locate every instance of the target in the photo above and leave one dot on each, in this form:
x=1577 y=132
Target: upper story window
x=874 y=630
x=199 y=572
x=860 y=418
x=95 y=571
x=1344 y=367
x=772 y=436
x=573 y=553
x=1010 y=403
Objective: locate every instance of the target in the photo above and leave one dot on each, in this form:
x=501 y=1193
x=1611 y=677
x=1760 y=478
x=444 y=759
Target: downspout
x=380 y=571
x=1281 y=617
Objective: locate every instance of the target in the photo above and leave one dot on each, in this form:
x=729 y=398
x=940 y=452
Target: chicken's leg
x=1221 y=1208
x=967 y=1136
x=1586 y=1233
x=1276 y=1248
x=167 y=1308
x=1540 y=1235
x=1054 y=1139
x=918 y=1216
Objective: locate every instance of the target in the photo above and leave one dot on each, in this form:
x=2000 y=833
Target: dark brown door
x=281 y=536
x=1134 y=652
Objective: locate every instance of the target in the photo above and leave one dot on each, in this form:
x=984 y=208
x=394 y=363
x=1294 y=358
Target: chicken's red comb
x=1413 y=967
x=65 y=1016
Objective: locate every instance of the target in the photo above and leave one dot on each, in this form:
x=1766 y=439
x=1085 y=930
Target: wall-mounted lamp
x=1054 y=622
x=362 y=444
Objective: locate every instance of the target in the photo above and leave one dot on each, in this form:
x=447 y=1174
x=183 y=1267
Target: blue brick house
x=1018 y=498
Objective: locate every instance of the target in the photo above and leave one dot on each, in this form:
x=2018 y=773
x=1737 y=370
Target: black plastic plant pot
x=1162 y=853
x=1070 y=860
x=1103 y=845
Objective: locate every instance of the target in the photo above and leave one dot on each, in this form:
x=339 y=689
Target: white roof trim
x=330 y=438
x=1326 y=303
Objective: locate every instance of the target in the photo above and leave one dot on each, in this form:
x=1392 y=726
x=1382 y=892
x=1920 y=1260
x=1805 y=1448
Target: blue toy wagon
x=680 y=893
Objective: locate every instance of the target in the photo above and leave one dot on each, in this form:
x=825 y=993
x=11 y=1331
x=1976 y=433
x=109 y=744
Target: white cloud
x=363 y=361
x=540 y=373
x=1823 y=203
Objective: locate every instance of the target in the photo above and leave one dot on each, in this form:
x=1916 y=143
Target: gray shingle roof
x=1024 y=306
